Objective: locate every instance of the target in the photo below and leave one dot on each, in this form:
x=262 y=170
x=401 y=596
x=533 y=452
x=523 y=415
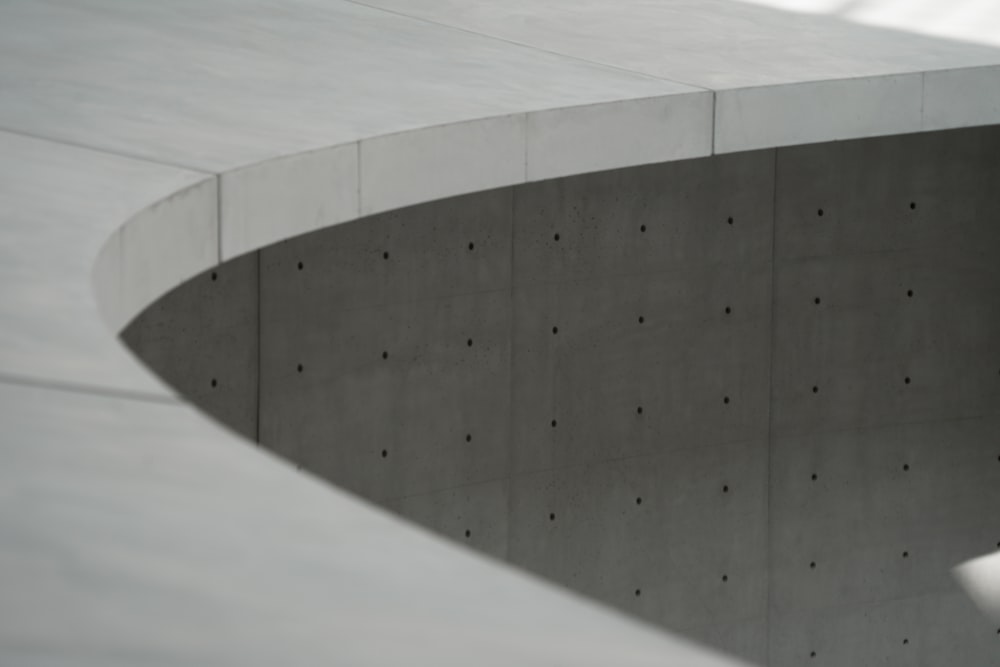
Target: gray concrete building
x=457 y=332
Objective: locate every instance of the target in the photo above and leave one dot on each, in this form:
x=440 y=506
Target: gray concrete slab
x=181 y=335
x=390 y=320
x=676 y=537
x=474 y=515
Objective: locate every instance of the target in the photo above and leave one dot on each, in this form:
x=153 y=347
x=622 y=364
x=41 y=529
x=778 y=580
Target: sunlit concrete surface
x=981 y=578
x=145 y=144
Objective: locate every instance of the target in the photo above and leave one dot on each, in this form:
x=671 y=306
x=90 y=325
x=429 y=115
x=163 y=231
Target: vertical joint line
x=357 y=166
x=260 y=342
x=218 y=218
x=511 y=313
x=715 y=120
x=770 y=408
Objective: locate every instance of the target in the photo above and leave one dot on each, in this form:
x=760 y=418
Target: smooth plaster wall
x=754 y=398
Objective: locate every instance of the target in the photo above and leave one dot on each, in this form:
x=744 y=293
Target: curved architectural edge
x=242 y=209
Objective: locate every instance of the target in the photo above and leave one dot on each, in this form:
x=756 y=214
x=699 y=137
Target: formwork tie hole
x=215 y=276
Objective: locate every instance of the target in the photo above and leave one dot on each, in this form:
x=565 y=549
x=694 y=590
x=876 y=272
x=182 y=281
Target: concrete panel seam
x=105 y=151
x=523 y=45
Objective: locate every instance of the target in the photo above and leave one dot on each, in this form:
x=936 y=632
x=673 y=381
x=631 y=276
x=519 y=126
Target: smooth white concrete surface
x=763 y=117
x=157 y=250
x=801 y=68
x=617 y=134
x=306 y=191
x=116 y=113
x=423 y=165
x=58 y=205
x=961 y=99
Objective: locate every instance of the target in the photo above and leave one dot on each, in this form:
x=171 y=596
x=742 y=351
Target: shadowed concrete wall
x=754 y=398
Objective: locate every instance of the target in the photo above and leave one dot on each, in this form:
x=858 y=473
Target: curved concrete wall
x=753 y=397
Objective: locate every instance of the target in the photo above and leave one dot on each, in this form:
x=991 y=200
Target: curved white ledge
x=214 y=129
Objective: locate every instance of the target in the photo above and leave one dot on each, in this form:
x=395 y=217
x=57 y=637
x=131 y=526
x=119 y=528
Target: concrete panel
x=563 y=142
x=665 y=217
x=927 y=631
x=448 y=248
x=978 y=88
x=158 y=249
x=388 y=373
x=623 y=532
x=752 y=118
x=474 y=515
x=620 y=367
x=885 y=398
x=643 y=289
x=910 y=497
x=432 y=163
x=201 y=339
x=305 y=192
x=890 y=194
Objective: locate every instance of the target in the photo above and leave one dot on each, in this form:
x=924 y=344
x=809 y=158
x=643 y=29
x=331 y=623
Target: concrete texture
x=202 y=340
x=161 y=139
x=752 y=398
